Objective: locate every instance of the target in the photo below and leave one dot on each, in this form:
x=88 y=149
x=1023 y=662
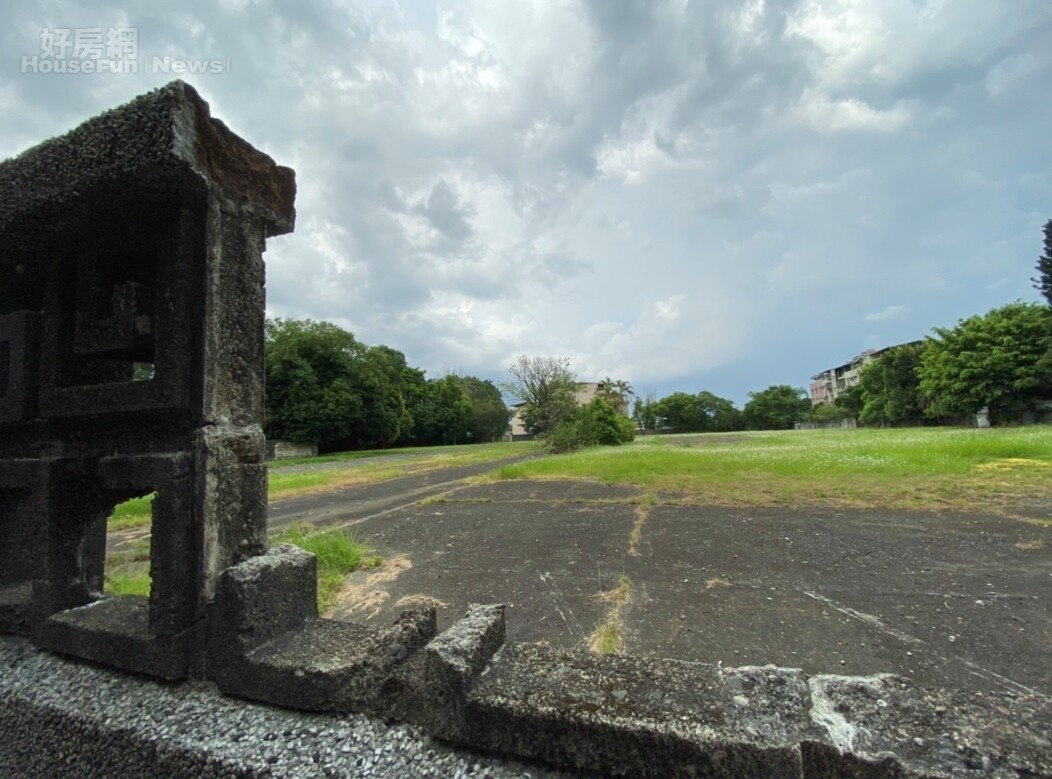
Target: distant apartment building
x=827 y=386
x=584 y=394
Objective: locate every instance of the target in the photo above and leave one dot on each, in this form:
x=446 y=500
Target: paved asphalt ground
x=962 y=601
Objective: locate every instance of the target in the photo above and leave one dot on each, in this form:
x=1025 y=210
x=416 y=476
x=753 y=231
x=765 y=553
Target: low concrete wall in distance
x=278 y=450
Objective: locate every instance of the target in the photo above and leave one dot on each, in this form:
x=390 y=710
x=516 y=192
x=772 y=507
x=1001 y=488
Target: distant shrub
x=596 y=424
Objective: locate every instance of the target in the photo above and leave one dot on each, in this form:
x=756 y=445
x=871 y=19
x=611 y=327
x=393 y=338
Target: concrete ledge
x=116 y=631
x=334 y=666
x=630 y=716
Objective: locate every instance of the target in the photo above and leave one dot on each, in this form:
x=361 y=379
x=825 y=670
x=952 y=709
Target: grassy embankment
x=1002 y=470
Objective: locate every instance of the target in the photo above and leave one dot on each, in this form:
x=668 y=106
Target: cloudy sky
x=717 y=195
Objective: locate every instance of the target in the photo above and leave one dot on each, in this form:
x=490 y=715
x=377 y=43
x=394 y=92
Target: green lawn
x=1007 y=470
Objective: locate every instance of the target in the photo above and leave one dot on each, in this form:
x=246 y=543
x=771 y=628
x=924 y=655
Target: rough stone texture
x=111 y=628
x=335 y=666
x=625 y=716
x=136 y=238
x=453 y=661
x=256 y=601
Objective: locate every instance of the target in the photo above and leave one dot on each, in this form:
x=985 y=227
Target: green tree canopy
x=1000 y=360
x=325 y=387
x=445 y=417
x=546 y=387
x=489 y=414
x=644 y=411
x=1043 y=282
x=890 y=388
x=776 y=408
x=701 y=413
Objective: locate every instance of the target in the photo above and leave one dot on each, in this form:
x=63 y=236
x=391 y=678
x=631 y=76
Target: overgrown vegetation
x=608 y=636
x=1006 y=470
x=594 y=424
x=131 y=513
x=338 y=552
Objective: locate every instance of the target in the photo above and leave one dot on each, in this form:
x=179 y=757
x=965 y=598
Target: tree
x=446 y=414
x=701 y=413
x=309 y=392
x=850 y=400
x=489 y=415
x=828 y=412
x=546 y=387
x=775 y=408
x=890 y=388
x=720 y=414
x=681 y=413
x=1043 y=282
x=323 y=386
x=644 y=412
x=616 y=392
x=999 y=360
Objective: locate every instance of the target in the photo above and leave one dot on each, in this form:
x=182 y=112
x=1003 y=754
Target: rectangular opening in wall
x=142 y=371
x=128 y=547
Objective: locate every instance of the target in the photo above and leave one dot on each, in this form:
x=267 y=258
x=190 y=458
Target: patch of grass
x=128 y=582
x=999 y=470
x=131 y=513
x=608 y=636
x=635 y=538
x=338 y=552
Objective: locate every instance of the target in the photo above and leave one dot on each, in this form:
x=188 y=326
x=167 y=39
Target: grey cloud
x=444 y=212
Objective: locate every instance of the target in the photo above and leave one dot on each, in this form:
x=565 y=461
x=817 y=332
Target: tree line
x=1000 y=361
x=324 y=386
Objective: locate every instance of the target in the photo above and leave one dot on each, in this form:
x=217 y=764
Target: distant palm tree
x=616 y=392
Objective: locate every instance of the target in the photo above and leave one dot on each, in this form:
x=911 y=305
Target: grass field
x=1004 y=470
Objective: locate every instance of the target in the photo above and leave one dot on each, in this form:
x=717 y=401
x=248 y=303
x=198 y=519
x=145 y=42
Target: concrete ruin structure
x=131 y=362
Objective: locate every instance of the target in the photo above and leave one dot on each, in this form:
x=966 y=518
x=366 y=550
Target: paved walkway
x=960 y=601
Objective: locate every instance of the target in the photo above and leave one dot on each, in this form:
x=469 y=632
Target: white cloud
x=829 y=115
x=890 y=312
